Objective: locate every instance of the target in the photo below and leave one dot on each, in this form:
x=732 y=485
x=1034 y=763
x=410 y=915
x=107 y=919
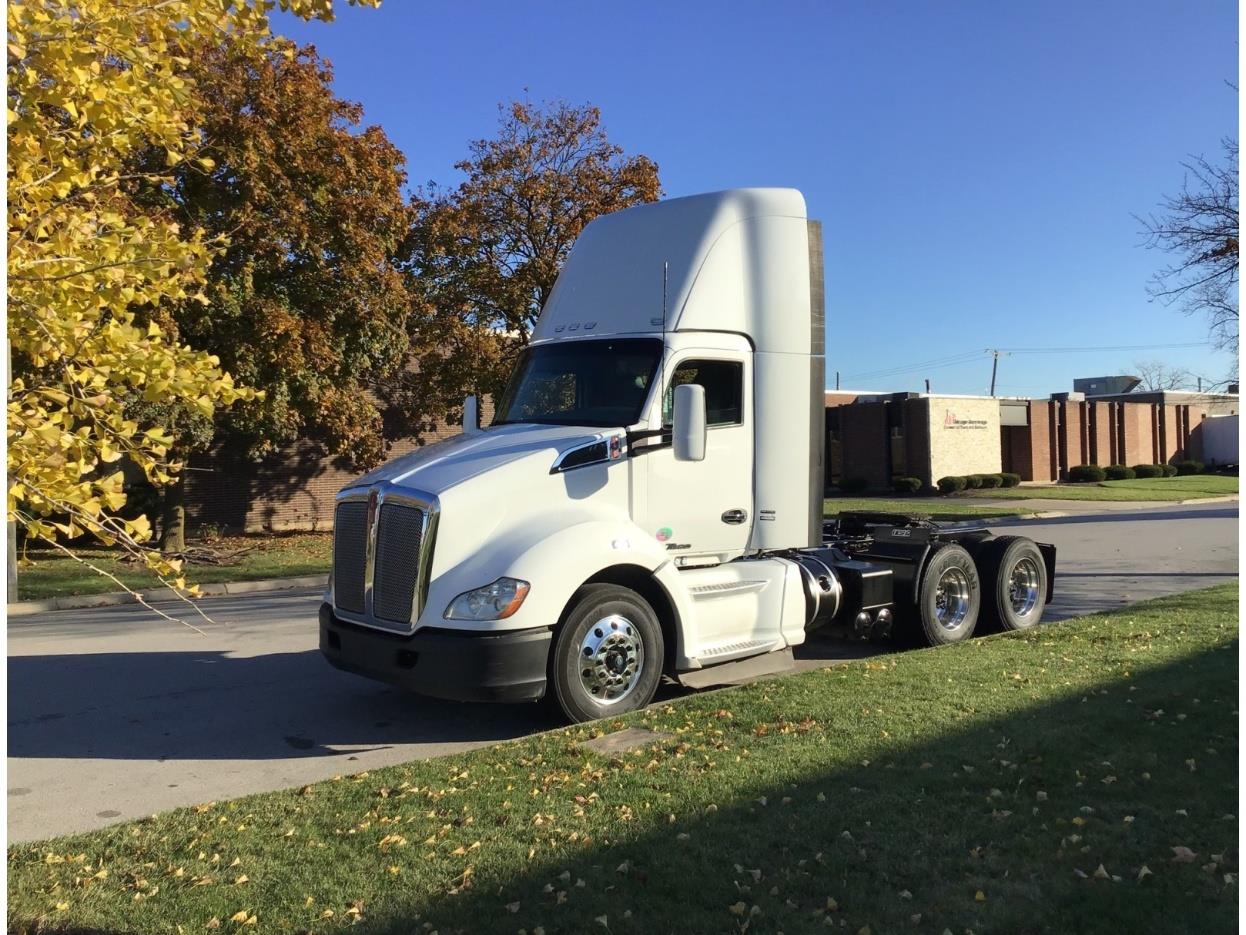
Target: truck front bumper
x=458 y=665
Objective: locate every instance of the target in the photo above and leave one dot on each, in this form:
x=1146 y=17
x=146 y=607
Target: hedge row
x=955 y=483
x=898 y=484
x=1092 y=473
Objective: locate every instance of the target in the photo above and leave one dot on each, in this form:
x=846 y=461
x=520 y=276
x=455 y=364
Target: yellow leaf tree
x=91 y=82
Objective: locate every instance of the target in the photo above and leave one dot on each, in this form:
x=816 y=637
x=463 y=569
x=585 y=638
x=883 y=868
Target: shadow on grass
x=917 y=829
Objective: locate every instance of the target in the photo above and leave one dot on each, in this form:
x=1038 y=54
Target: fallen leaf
x=1183 y=855
x=603 y=922
x=1144 y=873
x=979 y=896
x=1101 y=873
x=737 y=909
x=512 y=907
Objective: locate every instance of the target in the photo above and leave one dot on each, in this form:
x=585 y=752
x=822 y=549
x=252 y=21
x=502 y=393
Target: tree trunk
x=173 y=515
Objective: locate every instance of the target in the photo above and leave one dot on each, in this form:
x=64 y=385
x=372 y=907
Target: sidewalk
x=1045 y=508
x=162 y=595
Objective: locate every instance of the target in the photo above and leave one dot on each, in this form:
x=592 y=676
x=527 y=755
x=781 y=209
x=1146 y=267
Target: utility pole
x=927 y=386
x=836 y=379
x=996 y=354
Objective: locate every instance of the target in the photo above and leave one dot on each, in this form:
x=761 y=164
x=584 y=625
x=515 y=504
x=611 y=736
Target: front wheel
x=608 y=655
x=949 y=596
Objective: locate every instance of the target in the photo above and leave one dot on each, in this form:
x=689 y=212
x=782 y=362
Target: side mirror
x=688 y=423
x=471 y=415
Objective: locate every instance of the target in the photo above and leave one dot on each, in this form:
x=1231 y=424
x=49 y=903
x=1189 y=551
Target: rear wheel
x=608 y=656
x=949 y=596
x=1016 y=583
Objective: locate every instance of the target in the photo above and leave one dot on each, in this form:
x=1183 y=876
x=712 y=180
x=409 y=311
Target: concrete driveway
x=116 y=714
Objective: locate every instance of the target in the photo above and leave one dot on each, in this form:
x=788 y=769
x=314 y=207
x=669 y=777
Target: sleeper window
x=724 y=389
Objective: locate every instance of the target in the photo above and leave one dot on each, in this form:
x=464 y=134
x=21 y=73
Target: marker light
x=495 y=601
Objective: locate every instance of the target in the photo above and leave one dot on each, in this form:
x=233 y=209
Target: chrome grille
x=350 y=551
x=396 y=572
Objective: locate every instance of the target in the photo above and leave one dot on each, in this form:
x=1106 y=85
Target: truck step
x=740 y=671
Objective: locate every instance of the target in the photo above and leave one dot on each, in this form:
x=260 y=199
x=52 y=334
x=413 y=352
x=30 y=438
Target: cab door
x=702 y=511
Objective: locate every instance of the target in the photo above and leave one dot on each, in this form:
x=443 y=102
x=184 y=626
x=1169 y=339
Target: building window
x=724 y=390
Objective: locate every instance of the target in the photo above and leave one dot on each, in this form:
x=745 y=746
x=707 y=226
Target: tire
x=949 y=596
x=1015 y=581
x=616 y=628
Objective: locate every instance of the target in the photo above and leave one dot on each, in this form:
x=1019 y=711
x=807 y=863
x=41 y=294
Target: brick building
x=875 y=437
x=292 y=490
x=870 y=435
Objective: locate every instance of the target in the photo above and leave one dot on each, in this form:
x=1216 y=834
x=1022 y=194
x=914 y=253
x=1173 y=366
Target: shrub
x=1170 y=470
x=1185 y=468
x=951 y=484
x=1148 y=470
x=1010 y=480
x=991 y=481
x=1086 y=474
x=973 y=481
x=906 y=484
x=1119 y=472
x=853 y=484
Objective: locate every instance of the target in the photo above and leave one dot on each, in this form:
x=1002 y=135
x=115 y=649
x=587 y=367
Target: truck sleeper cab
x=648 y=499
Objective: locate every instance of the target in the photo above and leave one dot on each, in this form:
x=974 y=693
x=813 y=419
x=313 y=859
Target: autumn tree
x=91 y=83
x=482 y=257
x=1199 y=227
x=305 y=303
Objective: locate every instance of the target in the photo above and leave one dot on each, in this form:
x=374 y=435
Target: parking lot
x=115 y=713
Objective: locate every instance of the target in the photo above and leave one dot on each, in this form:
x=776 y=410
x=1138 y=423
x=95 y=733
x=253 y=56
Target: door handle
x=735 y=517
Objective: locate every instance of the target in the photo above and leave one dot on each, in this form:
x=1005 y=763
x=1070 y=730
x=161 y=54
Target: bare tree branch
x=1199 y=228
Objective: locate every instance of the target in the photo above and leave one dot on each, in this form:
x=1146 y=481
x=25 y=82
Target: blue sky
x=975 y=164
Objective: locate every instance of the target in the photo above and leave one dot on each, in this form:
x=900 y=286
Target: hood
x=443 y=464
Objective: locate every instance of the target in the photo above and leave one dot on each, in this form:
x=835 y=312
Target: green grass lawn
x=1150 y=489
x=276 y=556
x=1082 y=777
x=940 y=510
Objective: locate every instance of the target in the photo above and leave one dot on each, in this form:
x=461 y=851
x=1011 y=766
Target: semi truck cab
x=647 y=501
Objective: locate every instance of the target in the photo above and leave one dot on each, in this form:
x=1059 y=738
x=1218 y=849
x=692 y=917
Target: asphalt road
x=116 y=714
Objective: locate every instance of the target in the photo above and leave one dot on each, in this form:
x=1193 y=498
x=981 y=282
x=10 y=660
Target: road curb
x=162 y=595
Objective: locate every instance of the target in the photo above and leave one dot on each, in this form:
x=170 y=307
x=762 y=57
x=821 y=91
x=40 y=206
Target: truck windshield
x=593 y=383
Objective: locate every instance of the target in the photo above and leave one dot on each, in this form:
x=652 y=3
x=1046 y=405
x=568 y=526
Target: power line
x=1106 y=348
x=965 y=357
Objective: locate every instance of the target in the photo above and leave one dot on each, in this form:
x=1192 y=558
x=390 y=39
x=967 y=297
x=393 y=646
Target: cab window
x=724 y=389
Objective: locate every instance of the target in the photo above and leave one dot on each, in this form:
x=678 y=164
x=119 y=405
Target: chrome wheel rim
x=1023 y=591
x=611 y=658
x=952 y=598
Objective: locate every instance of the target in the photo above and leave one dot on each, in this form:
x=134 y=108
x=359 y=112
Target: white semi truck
x=648 y=499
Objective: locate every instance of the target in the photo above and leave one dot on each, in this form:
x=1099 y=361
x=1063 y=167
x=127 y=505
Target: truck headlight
x=495 y=601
